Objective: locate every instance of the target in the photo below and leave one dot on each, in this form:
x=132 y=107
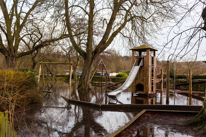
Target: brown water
x=56 y=118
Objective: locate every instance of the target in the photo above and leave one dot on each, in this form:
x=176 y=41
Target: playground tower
x=145 y=81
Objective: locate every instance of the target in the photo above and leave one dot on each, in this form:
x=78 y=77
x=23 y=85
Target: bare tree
x=192 y=37
x=132 y=19
x=21 y=25
x=71 y=53
x=182 y=40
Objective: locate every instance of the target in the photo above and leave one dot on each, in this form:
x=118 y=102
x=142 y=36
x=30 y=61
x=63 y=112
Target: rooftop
x=143 y=48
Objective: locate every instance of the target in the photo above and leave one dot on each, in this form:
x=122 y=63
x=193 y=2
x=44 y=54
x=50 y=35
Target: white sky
x=191 y=20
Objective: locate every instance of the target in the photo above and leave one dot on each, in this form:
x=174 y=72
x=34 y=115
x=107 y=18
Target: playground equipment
x=145 y=81
x=44 y=64
x=103 y=67
x=128 y=81
x=142 y=76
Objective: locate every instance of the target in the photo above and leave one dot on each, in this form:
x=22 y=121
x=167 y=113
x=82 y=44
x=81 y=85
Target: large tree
x=25 y=24
x=104 y=20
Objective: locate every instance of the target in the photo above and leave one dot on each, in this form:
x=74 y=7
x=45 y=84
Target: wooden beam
x=42 y=72
x=106 y=70
x=50 y=72
x=70 y=81
x=168 y=82
x=190 y=79
x=39 y=74
x=95 y=71
x=56 y=63
x=41 y=69
x=162 y=81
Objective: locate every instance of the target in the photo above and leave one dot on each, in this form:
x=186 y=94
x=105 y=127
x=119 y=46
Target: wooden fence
x=5 y=129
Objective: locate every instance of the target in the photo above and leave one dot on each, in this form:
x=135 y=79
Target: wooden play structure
x=103 y=69
x=145 y=80
x=44 y=65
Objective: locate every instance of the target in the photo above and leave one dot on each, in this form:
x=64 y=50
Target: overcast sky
x=192 y=19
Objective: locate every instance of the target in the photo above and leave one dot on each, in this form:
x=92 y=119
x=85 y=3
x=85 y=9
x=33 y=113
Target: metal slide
x=128 y=81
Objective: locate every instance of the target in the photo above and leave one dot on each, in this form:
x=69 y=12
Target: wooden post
x=133 y=86
x=161 y=98
x=70 y=81
x=42 y=72
x=168 y=82
x=106 y=88
x=6 y=129
x=190 y=81
x=133 y=58
x=102 y=77
x=190 y=100
x=2 y=124
x=147 y=73
x=39 y=74
x=162 y=82
x=154 y=72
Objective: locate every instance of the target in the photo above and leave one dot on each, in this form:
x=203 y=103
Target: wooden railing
x=5 y=129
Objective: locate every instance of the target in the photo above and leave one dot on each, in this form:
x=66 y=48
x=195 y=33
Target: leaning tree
x=104 y=20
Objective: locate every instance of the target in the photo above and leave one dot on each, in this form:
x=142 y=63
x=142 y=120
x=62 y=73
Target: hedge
x=122 y=75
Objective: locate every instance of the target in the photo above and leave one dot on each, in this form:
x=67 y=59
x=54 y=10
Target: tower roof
x=143 y=48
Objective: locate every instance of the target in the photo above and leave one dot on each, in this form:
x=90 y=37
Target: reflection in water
x=143 y=100
x=175 y=99
x=156 y=131
x=54 y=118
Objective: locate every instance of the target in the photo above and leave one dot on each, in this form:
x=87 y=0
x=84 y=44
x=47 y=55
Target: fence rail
x=5 y=129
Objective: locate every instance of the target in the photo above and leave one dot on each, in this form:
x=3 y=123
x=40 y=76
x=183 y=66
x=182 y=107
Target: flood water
x=57 y=118
x=160 y=125
x=174 y=99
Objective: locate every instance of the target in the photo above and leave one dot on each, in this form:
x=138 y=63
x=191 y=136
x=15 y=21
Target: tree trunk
x=10 y=61
x=33 y=59
x=84 y=82
x=199 y=120
x=33 y=64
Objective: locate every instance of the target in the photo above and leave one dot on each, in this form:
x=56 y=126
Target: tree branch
x=68 y=24
x=41 y=45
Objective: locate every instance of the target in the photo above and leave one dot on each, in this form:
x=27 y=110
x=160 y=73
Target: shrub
x=199 y=77
x=18 y=88
x=122 y=75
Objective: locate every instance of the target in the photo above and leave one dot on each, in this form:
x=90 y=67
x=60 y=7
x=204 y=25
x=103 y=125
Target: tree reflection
x=85 y=124
x=88 y=123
